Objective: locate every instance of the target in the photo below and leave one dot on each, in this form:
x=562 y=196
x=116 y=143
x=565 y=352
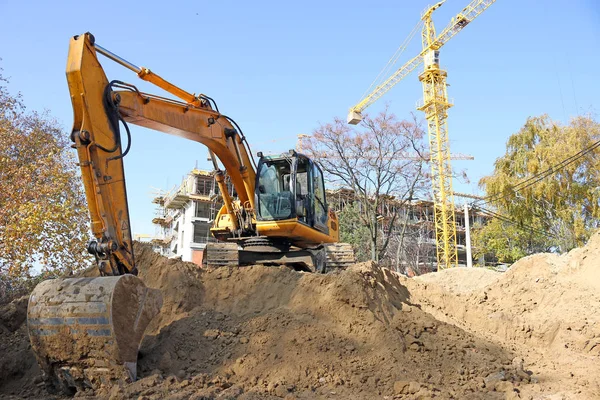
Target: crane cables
x=540 y=176
x=386 y=69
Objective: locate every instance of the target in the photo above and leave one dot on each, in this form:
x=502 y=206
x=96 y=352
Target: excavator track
x=339 y=256
x=85 y=332
x=222 y=254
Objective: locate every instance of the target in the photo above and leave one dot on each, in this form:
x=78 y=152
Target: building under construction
x=419 y=243
x=184 y=216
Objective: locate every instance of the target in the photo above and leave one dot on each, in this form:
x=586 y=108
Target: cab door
x=319 y=205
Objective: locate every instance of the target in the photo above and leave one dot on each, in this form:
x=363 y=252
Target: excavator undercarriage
x=264 y=251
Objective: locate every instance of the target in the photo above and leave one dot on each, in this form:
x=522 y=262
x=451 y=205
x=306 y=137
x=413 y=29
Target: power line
x=530 y=182
x=516 y=223
x=542 y=175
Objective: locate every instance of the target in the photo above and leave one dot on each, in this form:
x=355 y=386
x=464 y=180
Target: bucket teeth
x=86 y=332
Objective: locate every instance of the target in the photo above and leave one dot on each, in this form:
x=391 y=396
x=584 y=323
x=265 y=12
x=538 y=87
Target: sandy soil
x=545 y=307
x=363 y=333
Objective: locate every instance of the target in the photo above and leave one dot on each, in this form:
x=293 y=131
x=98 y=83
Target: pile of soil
x=363 y=333
x=461 y=280
x=546 y=307
x=18 y=366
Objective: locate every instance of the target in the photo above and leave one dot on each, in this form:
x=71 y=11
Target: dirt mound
x=261 y=332
x=266 y=333
x=546 y=306
x=276 y=331
x=461 y=280
x=17 y=362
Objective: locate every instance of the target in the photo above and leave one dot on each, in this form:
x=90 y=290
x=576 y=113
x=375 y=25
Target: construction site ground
x=363 y=333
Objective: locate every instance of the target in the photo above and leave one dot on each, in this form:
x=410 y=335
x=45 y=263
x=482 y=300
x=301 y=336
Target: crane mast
x=435 y=105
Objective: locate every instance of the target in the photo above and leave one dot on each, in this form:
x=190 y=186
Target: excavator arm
x=100 y=153
x=100 y=109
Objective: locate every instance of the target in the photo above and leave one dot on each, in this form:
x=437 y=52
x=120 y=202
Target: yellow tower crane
x=435 y=105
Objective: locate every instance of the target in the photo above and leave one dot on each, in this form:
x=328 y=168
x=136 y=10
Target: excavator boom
x=100 y=107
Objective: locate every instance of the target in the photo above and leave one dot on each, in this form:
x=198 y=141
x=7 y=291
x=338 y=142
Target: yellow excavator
x=86 y=332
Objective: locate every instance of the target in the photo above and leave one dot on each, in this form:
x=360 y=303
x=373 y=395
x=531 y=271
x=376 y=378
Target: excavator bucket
x=86 y=332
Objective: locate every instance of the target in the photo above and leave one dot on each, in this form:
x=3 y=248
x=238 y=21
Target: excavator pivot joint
x=229 y=132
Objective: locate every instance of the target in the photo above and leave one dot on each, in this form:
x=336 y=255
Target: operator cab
x=290 y=186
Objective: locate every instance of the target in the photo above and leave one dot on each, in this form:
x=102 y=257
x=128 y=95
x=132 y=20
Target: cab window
x=273 y=194
x=319 y=195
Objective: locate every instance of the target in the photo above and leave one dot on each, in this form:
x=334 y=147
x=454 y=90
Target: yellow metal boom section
x=194 y=124
x=99 y=148
x=467 y=15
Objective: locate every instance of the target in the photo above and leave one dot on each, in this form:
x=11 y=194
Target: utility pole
x=468 y=237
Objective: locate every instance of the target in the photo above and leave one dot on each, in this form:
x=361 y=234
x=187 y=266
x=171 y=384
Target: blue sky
x=281 y=68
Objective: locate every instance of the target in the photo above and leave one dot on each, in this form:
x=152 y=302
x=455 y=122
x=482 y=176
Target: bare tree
x=415 y=250
x=381 y=159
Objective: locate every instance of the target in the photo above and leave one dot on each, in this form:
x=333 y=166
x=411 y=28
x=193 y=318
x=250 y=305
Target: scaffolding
x=185 y=214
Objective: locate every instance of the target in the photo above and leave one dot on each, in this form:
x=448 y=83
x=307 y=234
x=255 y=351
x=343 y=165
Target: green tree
x=555 y=203
x=354 y=231
x=506 y=242
x=43 y=214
